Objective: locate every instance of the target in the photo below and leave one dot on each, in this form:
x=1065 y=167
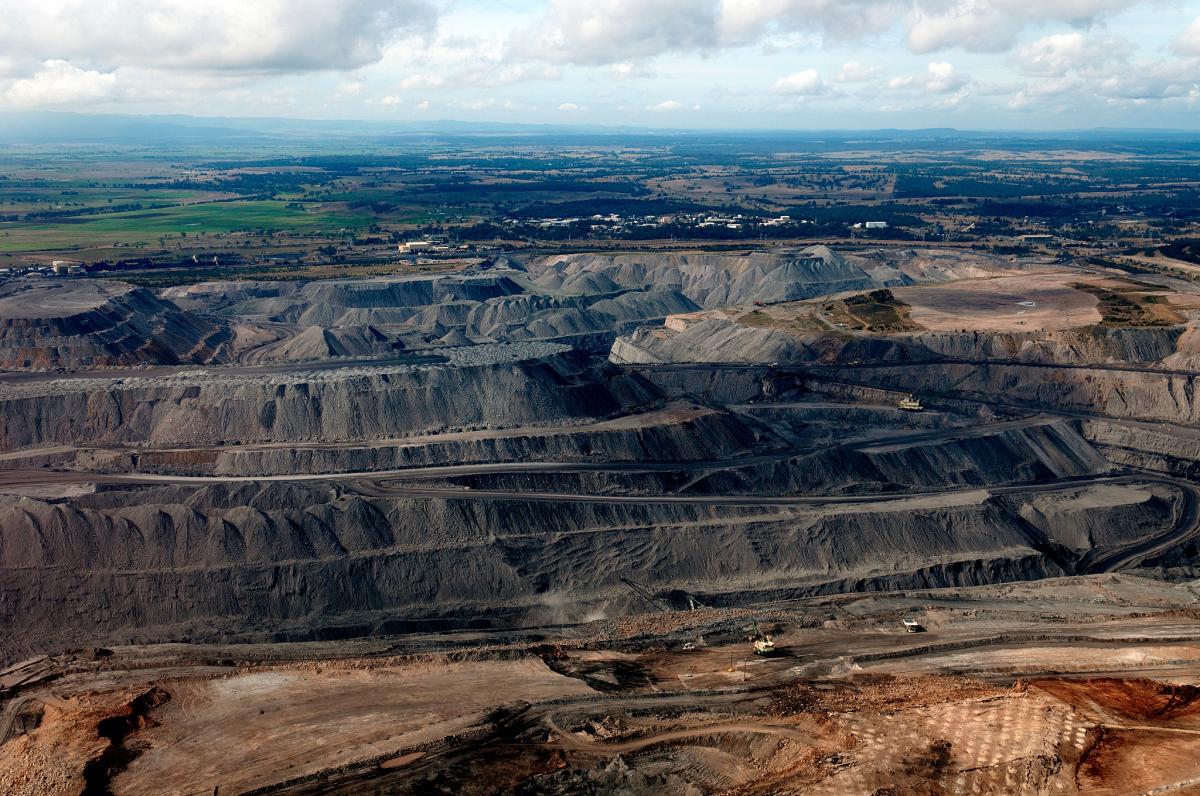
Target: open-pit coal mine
x=558 y=492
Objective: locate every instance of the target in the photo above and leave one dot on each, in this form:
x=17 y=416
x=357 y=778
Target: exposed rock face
x=315 y=320
x=1037 y=452
x=350 y=302
x=1092 y=345
x=1118 y=393
x=1098 y=517
x=219 y=296
x=317 y=342
x=697 y=436
x=676 y=433
x=533 y=316
x=714 y=280
x=710 y=341
x=278 y=561
x=362 y=553
x=345 y=404
x=1165 y=449
x=994 y=365
x=88 y=323
x=726 y=340
x=722 y=385
x=557 y=297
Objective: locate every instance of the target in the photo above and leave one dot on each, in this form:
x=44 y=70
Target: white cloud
x=612 y=31
x=1045 y=93
x=480 y=72
x=620 y=31
x=943 y=77
x=1054 y=55
x=972 y=26
x=570 y=107
x=993 y=25
x=1149 y=81
x=1115 y=82
x=518 y=73
x=1188 y=42
x=806 y=84
x=940 y=77
x=421 y=82
x=235 y=35
x=1061 y=53
x=857 y=72
x=628 y=70
x=474 y=104
x=227 y=56
x=743 y=21
x=60 y=83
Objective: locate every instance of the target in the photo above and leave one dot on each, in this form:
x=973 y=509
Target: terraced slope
x=85 y=323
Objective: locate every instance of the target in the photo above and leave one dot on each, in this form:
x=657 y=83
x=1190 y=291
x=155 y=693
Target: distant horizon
x=500 y=126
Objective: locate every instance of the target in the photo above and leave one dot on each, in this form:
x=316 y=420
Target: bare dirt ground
x=252 y=729
x=1025 y=303
x=51 y=760
x=1043 y=299
x=1083 y=685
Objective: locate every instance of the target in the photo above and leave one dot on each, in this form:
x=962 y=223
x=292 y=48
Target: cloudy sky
x=664 y=63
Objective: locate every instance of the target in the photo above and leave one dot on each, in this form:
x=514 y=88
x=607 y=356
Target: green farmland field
x=146 y=226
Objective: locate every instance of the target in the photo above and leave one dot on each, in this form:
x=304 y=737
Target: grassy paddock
x=146 y=226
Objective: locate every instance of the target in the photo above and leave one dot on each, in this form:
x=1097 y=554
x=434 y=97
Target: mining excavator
x=911 y=404
x=675 y=600
x=763 y=644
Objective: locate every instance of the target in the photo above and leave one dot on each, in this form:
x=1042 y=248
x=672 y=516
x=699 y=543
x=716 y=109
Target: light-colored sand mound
x=1007 y=304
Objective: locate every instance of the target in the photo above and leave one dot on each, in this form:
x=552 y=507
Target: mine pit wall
x=260 y=562
x=710 y=436
x=1160 y=398
x=723 y=340
x=420 y=400
x=1163 y=450
x=1033 y=454
x=722 y=386
x=591 y=482
x=1138 y=395
x=1090 y=345
x=126 y=328
x=975 y=572
x=855 y=417
x=714 y=280
x=1091 y=520
x=860 y=393
x=595 y=343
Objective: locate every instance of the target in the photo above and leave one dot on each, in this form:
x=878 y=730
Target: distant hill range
x=56 y=128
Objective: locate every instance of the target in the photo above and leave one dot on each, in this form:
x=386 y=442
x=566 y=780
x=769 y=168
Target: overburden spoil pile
x=82 y=324
x=275 y=560
x=334 y=458
x=345 y=404
x=714 y=280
